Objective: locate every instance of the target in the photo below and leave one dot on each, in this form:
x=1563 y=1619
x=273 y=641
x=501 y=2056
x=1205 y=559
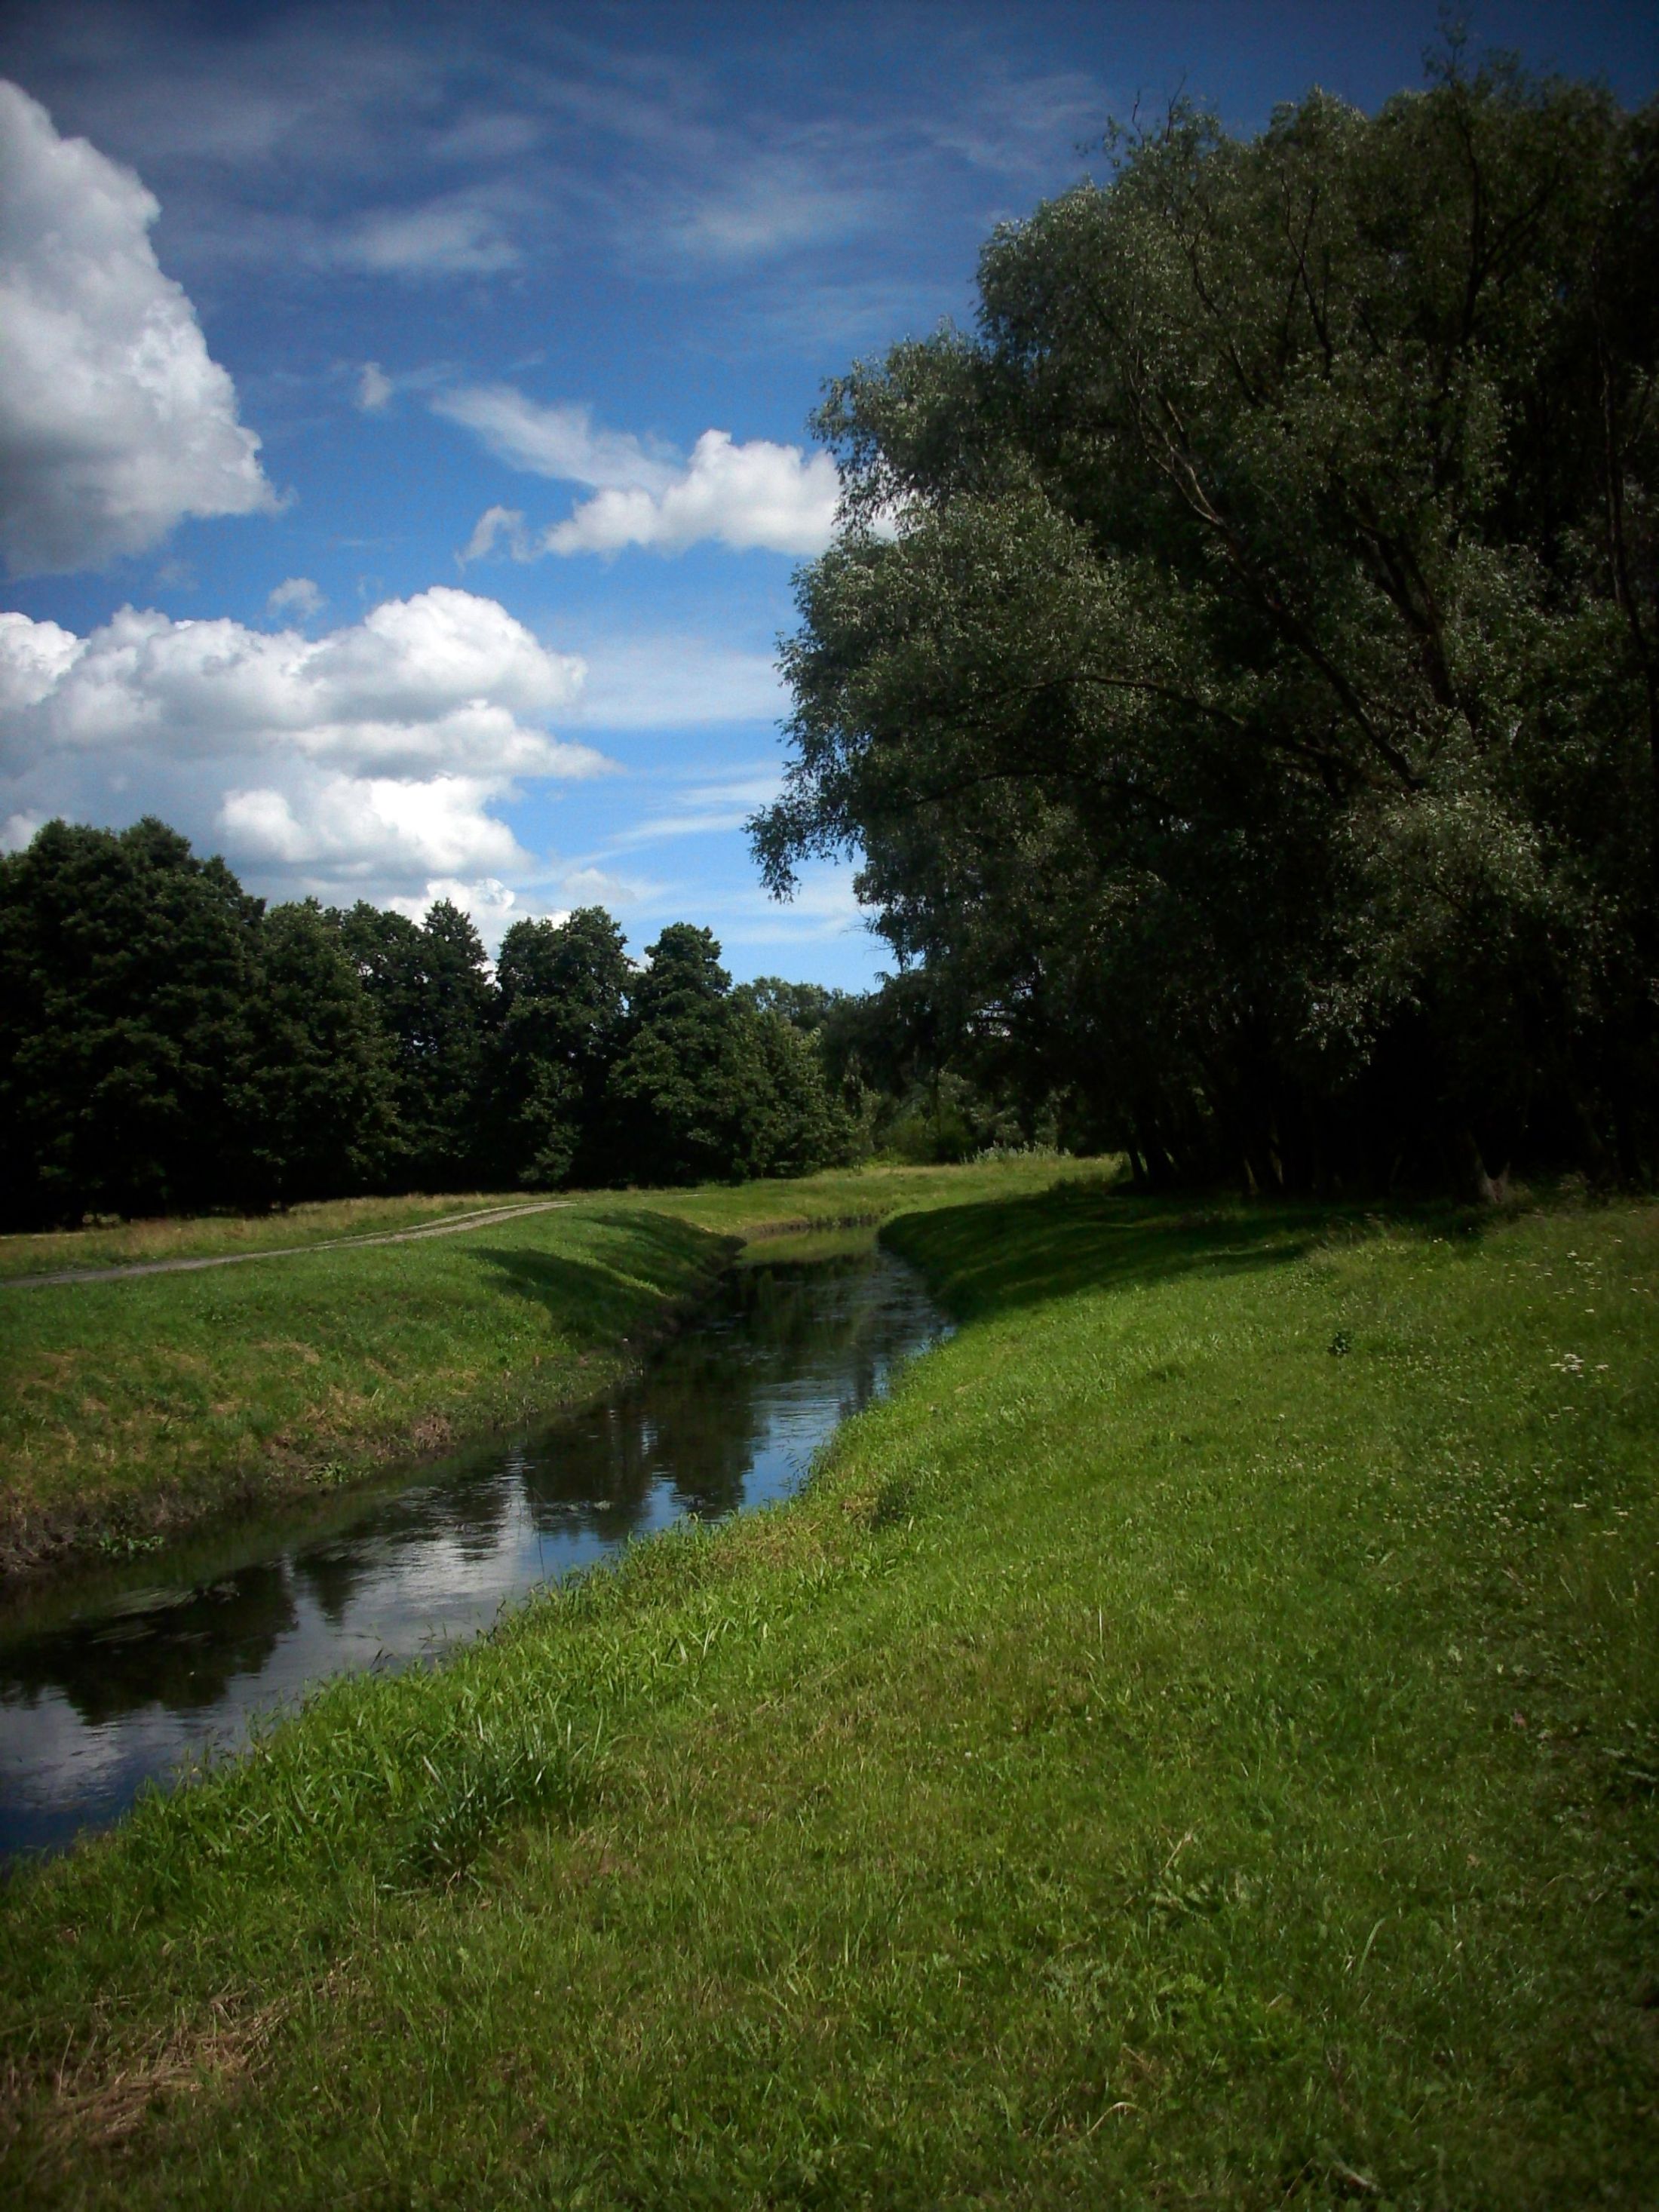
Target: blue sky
x=527 y=308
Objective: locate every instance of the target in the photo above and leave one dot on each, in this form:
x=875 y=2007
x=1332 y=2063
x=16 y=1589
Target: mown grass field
x=1197 y=1743
x=131 y=1408
x=190 y=1237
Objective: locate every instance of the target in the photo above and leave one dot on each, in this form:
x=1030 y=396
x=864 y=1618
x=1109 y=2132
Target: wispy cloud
x=824 y=905
x=669 y=682
x=704 y=809
x=642 y=150
x=499 y=134
x=1009 y=125
x=772 y=204
x=498 y=526
x=559 y=441
x=454 y=237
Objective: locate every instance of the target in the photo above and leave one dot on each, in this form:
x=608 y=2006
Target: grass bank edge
x=178 y=1479
x=138 y=1410
x=600 y=1718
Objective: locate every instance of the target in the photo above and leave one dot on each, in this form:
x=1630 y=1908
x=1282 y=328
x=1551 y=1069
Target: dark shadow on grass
x=602 y=1297
x=985 y=1259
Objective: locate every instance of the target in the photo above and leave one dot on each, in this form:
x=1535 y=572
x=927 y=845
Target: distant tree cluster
x=1238 y=667
x=169 y=1043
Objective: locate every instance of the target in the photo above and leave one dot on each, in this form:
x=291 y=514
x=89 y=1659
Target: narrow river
x=117 y=1679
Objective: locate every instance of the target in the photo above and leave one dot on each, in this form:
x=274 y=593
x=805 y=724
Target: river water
x=114 y=1680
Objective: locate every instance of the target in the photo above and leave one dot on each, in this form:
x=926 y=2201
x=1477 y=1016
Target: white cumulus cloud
x=757 y=494
x=115 y=422
x=434 y=681
x=349 y=826
x=373 y=757
x=488 y=901
x=35 y=657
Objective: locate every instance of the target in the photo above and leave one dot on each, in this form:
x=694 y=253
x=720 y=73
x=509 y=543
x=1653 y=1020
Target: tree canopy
x=129 y=983
x=1238 y=667
x=169 y=1044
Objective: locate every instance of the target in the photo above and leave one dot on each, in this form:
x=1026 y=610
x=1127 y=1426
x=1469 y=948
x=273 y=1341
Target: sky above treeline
x=404 y=454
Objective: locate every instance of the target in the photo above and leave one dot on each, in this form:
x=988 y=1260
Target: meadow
x=117 y=1243
x=132 y=1408
x=1196 y=1742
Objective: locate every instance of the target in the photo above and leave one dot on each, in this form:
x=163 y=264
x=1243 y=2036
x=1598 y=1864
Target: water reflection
x=119 y=1680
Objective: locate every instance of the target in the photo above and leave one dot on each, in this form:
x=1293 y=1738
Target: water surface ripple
x=115 y=1679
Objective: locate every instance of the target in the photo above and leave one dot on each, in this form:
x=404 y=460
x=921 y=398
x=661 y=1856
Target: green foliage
x=166 y=1045
x=804 y=1006
x=1246 y=707
x=714 y=1085
x=918 y=1078
x=563 y=992
x=796 y=1124
x=685 y=1084
x=321 y=1105
x=430 y=985
x=169 y=1044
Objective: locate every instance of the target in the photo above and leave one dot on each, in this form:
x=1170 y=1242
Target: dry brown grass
x=100 y=2092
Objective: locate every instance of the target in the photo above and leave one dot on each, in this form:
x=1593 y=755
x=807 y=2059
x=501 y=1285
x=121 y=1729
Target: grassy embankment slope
x=1195 y=1744
x=188 y=1236
x=134 y=1407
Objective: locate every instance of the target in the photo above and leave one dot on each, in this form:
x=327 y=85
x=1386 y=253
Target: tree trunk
x=1483 y=1187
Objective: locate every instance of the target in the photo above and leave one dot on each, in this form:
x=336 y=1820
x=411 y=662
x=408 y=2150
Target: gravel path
x=447 y=1228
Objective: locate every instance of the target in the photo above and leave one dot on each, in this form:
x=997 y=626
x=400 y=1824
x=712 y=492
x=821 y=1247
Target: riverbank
x=136 y=1408
x=1195 y=1744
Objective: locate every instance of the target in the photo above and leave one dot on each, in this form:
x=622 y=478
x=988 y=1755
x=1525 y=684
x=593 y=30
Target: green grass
x=819 y=1201
x=844 y=1197
x=1196 y=1744
x=135 y=1408
x=189 y=1237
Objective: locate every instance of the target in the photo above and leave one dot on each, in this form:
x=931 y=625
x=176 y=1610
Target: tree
x=562 y=991
x=685 y=1087
x=320 y=1096
x=429 y=985
x=709 y=1086
x=167 y=1045
x=1236 y=667
x=794 y=1123
x=804 y=1006
x=130 y=977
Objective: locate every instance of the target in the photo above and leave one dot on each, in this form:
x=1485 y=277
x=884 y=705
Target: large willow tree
x=1238 y=665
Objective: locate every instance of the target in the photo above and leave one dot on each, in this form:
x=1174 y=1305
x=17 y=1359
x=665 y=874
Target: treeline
x=170 y=1044
x=1238 y=668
